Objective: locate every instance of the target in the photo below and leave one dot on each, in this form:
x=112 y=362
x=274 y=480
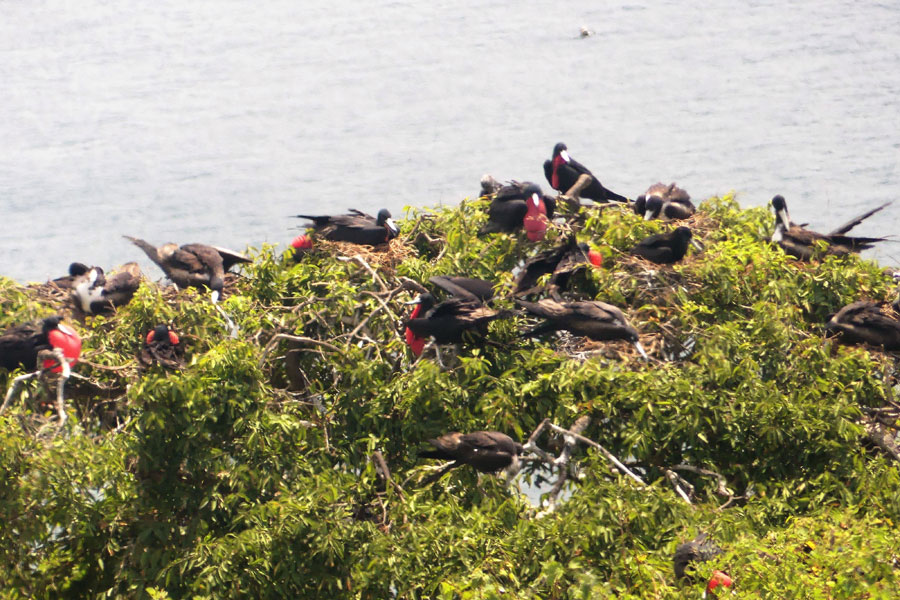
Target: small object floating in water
x=585 y=32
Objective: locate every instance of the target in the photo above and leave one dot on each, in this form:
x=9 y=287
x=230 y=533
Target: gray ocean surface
x=213 y=121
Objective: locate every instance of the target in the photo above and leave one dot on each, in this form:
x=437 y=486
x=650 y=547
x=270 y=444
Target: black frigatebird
x=355 y=227
x=563 y=172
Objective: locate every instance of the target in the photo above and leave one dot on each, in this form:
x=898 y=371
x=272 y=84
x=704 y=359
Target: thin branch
x=362 y=262
x=382 y=469
x=721 y=487
x=609 y=456
x=675 y=480
x=293 y=338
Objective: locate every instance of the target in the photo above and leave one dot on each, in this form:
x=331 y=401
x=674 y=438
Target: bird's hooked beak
x=565 y=156
x=784 y=218
x=641 y=351
x=389 y=223
x=418 y=300
x=696 y=245
x=648 y=216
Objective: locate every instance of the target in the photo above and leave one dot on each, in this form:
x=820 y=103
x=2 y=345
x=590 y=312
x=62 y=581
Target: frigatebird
x=591 y=318
x=664 y=248
x=560 y=263
x=666 y=202
x=800 y=242
x=486 y=451
x=163 y=347
x=448 y=322
x=562 y=173
x=197 y=265
x=355 y=227
x=470 y=288
x=21 y=344
x=520 y=206
x=95 y=292
x=865 y=322
x=700 y=549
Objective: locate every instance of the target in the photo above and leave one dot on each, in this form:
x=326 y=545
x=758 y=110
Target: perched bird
x=195 y=265
x=479 y=290
x=20 y=345
x=489 y=186
x=486 y=451
x=355 y=227
x=593 y=319
x=520 y=206
x=95 y=293
x=666 y=202
x=865 y=322
x=664 y=248
x=302 y=244
x=448 y=322
x=75 y=269
x=700 y=549
x=162 y=347
x=800 y=243
x=563 y=172
x=560 y=263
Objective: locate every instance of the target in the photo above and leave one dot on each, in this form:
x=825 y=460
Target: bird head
x=384 y=219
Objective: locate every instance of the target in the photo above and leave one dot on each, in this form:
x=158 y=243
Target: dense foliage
x=249 y=474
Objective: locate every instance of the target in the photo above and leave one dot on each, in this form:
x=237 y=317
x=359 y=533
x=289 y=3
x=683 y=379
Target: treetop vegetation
x=283 y=463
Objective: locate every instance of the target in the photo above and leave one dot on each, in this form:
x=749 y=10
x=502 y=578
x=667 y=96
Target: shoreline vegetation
x=283 y=463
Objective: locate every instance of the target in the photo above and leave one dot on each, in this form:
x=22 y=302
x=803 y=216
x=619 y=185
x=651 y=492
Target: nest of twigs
x=385 y=257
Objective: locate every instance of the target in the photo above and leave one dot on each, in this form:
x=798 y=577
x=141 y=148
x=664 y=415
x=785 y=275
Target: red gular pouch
x=416 y=344
x=64 y=338
x=536 y=221
x=719 y=579
x=595 y=258
x=302 y=242
x=558 y=161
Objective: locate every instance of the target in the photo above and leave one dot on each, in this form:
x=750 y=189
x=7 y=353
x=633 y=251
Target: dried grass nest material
x=383 y=256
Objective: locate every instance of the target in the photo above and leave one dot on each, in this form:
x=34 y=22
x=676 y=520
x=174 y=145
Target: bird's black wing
x=857 y=220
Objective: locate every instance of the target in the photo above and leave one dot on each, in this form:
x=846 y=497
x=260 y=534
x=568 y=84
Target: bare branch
x=609 y=456
x=721 y=487
x=382 y=469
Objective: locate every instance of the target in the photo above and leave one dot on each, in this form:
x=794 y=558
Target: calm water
x=212 y=121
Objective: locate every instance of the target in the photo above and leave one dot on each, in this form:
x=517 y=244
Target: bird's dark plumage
x=95 y=292
x=449 y=321
x=355 y=227
x=596 y=320
x=479 y=290
x=19 y=345
x=666 y=202
x=700 y=549
x=517 y=204
x=162 y=347
x=865 y=322
x=75 y=269
x=664 y=248
x=800 y=242
x=486 y=451
x=562 y=171
x=560 y=263
x=195 y=265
